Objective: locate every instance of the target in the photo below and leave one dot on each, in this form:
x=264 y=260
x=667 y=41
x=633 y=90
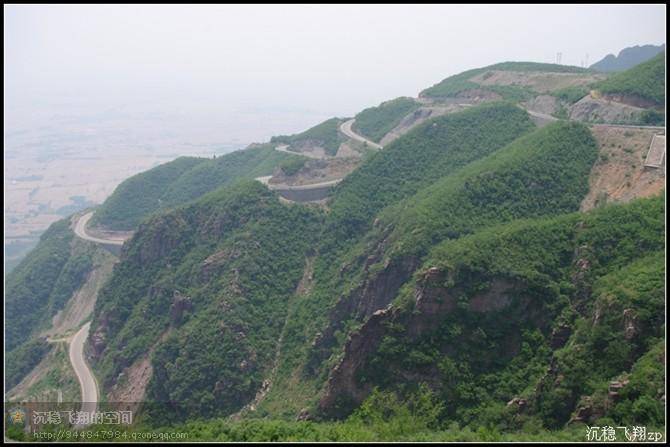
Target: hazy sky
x=329 y=59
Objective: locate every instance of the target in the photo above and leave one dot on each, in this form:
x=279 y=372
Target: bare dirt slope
x=539 y=81
x=619 y=174
x=132 y=384
x=594 y=109
x=317 y=171
x=546 y=104
x=80 y=306
x=417 y=117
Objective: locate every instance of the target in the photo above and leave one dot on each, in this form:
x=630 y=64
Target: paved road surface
x=303 y=187
x=80 y=231
x=345 y=128
x=89 y=388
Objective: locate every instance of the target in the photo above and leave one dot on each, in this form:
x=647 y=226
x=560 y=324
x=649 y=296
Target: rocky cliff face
x=375 y=293
x=432 y=301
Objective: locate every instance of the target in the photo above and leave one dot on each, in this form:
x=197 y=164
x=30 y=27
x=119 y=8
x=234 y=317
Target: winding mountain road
x=89 y=387
x=80 y=231
x=87 y=382
x=346 y=129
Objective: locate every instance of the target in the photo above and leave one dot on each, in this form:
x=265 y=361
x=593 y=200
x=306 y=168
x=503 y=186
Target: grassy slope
x=375 y=122
x=646 y=80
x=179 y=181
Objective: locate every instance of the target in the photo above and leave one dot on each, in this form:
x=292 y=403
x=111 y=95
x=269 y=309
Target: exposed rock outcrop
x=216 y=261
x=592 y=109
x=158 y=238
x=432 y=301
x=180 y=304
x=518 y=404
x=630 y=324
x=587 y=411
x=375 y=293
x=98 y=339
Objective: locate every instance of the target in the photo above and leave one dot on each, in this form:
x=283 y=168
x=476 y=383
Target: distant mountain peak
x=627 y=58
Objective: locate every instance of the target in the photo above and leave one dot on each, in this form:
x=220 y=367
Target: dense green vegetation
x=542 y=173
x=509 y=315
x=652 y=117
x=41 y=284
x=646 y=81
x=433 y=150
x=23 y=359
x=545 y=172
x=456 y=84
x=576 y=275
x=375 y=122
x=326 y=135
x=230 y=262
x=38 y=288
x=140 y=194
x=182 y=180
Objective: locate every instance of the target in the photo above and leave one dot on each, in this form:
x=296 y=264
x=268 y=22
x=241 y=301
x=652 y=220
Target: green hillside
x=542 y=173
x=646 y=81
x=512 y=309
x=375 y=122
x=37 y=289
x=232 y=260
x=545 y=172
x=181 y=180
x=433 y=150
x=449 y=289
x=41 y=284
